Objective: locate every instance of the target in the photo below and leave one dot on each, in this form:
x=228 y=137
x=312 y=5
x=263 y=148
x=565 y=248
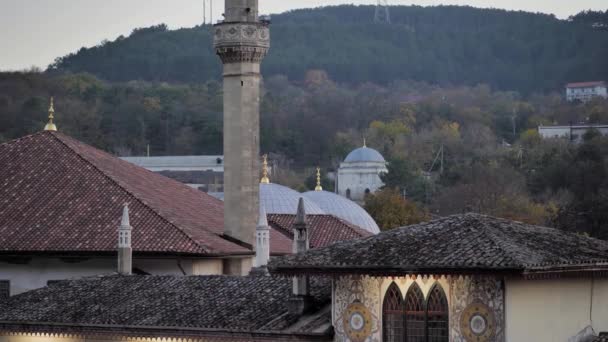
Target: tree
x=391 y=210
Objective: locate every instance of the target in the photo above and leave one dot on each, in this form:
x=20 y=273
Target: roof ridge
x=497 y=236
x=57 y=135
x=29 y=136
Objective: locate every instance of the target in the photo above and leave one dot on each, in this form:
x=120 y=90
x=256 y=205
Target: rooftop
x=586 y=84
x=324 y=231
x=459 y=244
x=60 y=195
x=364 y=154
x=193 y=305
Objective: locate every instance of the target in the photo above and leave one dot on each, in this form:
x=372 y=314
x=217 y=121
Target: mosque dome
x=279 y=199
x=343 y=208
x=364 y=154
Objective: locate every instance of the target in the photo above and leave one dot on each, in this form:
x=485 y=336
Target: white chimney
x=124 y=244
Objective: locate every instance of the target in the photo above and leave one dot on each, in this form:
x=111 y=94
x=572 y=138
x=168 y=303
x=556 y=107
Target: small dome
x=343 y=208
x=364 y=154
x=279 y=199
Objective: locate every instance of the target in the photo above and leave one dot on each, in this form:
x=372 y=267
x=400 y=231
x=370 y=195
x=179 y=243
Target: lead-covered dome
x=364 y=154
x=343 y=208
x=279 y=199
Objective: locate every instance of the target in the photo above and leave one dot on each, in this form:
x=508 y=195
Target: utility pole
x=382 y=15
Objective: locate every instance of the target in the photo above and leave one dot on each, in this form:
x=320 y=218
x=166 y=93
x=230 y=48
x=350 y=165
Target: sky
x=35 y=32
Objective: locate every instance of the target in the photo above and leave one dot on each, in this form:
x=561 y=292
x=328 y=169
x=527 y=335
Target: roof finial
x=265 y=179
x=50 y=126
x=364 y=142
x=318 y=187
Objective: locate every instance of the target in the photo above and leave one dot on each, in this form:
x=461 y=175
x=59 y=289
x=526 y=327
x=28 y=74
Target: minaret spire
x=318 y=187
x=265 y=179
x=125 y=251
x=50 y=126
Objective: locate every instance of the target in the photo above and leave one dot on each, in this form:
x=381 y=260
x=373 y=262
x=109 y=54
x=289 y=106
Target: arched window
x=348 y=193
x=392 y=315
x=437 y=315
x=415 y=315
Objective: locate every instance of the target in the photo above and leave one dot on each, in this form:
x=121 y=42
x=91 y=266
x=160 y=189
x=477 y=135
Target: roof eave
x=388 y=271
x=108 y=330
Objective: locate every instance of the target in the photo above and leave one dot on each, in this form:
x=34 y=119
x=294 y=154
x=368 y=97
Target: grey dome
x=364 y=154
x=343 y=208
x=279 y=199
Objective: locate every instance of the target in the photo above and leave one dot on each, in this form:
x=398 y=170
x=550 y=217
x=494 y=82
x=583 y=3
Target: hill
x=445 y=45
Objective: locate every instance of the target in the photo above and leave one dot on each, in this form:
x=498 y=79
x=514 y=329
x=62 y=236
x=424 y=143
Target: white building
x=573 y=133
x=585 y=91
x=359 y=174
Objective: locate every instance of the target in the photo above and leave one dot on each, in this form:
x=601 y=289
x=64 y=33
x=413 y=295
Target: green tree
x=390 y=210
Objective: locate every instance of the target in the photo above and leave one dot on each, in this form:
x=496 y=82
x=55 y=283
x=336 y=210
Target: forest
x=444 y=45
x=451 y=96
x=493 y=160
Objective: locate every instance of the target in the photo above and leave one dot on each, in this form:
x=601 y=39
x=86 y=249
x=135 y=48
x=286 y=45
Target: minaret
x=50 y=126
x=241 y=41
x=124 y=244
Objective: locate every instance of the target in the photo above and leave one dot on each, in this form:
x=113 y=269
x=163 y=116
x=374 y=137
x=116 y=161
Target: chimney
x=301 y=300
x=262 y=245
x=124 y=244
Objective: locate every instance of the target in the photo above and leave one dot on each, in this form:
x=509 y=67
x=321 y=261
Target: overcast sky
x=34 y=32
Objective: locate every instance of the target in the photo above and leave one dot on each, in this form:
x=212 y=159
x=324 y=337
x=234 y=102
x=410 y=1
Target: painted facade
x=481 y=308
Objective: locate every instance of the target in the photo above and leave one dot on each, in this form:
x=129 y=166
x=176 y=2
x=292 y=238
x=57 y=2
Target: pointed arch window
x=393 y=323
x=414 y=319
x=437 y=315
x=415 y=315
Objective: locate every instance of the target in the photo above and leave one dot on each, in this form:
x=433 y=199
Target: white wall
x=554 y=310
x=37 y=272
x=358 y=177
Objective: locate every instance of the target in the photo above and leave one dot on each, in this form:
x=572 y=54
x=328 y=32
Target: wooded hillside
x=444 y=45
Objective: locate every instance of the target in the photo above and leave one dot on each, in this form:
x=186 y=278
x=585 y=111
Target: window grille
x=392 y=315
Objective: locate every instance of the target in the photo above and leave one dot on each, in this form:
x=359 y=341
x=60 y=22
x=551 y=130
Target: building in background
x=574 y=133
x=359 y=174
x=585 y=91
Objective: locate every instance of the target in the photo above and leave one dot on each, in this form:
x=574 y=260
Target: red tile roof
x=60 y=195
x=586 y=84
x=324 y=230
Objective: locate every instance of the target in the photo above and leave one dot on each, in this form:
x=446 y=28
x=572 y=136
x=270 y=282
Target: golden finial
x=265 y=179
x=364 y=142
x=318 y=187
x=51 y=126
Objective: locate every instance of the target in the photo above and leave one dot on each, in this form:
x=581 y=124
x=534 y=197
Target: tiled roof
x=324 y=231
x=602 y=338
x=468 y=243
x=586 y=84
x=60 y=195
x=188 y=302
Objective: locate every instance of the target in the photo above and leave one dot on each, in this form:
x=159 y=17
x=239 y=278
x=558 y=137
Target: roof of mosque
x=459 y=244
x=279 y=199
x=364 y=154
x=192 y=305
x=343 y=208
x=324 y=231
x=60 y=195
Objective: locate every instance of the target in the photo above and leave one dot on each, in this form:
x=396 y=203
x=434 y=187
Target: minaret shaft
x=241 y=41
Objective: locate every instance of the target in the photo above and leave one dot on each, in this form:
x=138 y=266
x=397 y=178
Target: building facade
x=585 y=91
x=359 y=174
x=574 y=133
x=463 y=278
